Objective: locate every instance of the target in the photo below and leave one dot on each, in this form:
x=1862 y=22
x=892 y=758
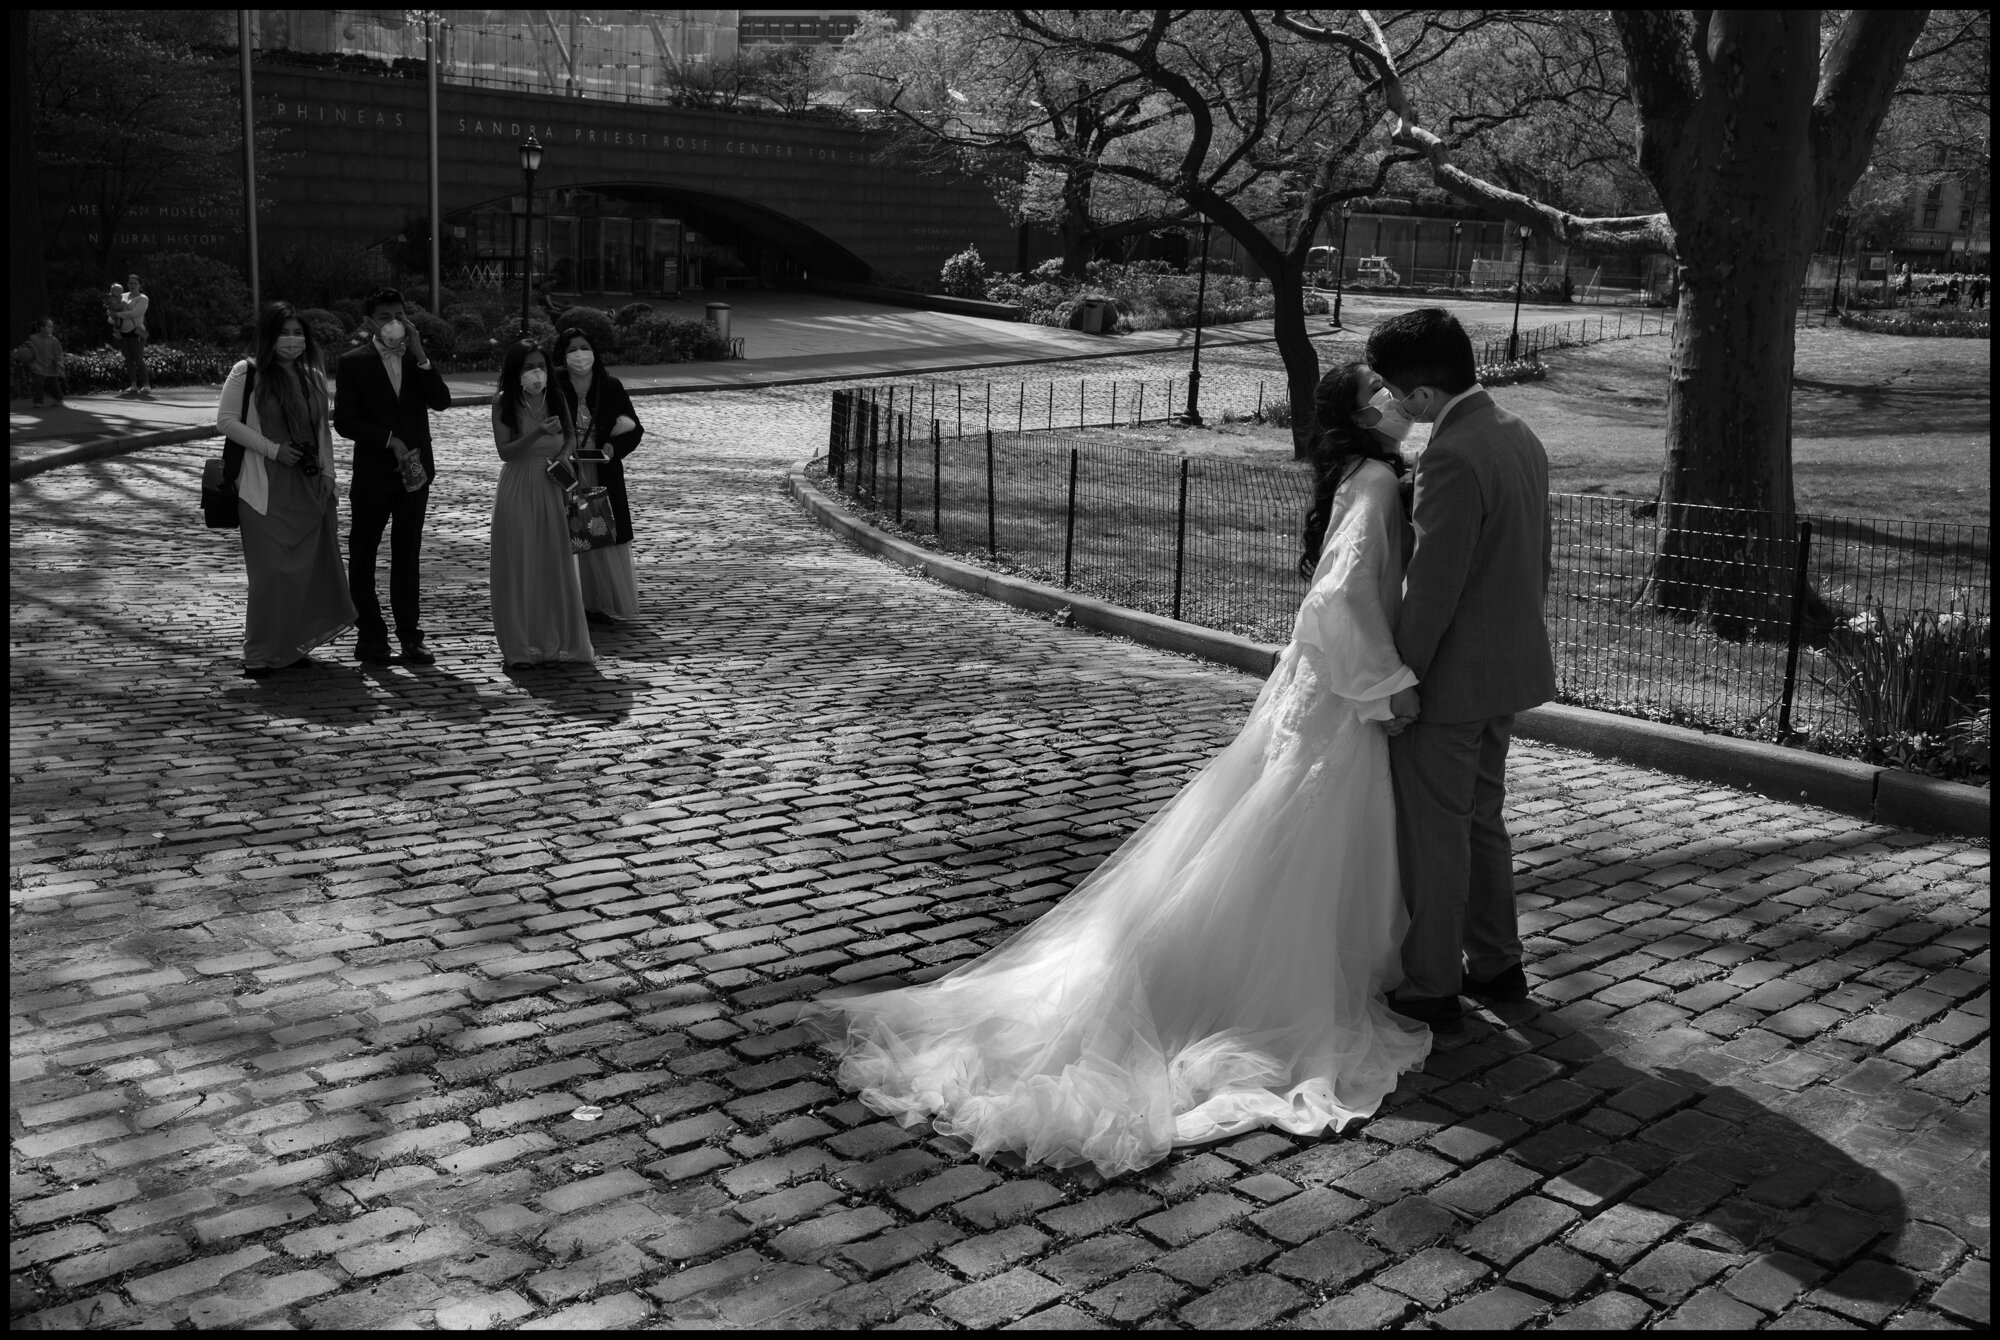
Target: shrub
x=435 y=331
x=323 y=276
x=420 y=296
x=467 y=329
x=1950 y=322
x=679 y=338
x=194 y=298
x=965 y=275
x=596 y=324
x=1915 y=675
x=631 y=313
x=103 y=369
x=328 y=330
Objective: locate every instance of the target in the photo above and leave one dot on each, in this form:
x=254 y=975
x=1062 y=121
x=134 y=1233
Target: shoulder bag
x=218 y=473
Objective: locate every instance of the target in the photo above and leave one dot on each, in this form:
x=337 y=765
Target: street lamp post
x=1340 y=265
x=1455 y=230
x=1520 y=277
x=1840 y=262
x=531 y=162
x=1193 y=416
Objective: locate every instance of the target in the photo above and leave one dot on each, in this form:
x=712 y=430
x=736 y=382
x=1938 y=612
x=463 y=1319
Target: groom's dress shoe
x=1507 y=984
x=1441 y=1013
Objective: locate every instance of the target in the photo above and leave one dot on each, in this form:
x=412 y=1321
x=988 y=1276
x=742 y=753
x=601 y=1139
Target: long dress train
x=1226 y=967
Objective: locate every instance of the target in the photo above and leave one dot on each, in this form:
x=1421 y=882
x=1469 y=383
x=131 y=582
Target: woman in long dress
x=537 y=601
x=607 y=426
x=1228 y=966
x=275 y=408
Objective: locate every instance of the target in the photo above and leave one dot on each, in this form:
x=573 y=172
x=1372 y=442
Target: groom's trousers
x=1458 y=867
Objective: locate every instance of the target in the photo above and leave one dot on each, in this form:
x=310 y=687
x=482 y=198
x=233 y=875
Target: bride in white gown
x=1227 y=967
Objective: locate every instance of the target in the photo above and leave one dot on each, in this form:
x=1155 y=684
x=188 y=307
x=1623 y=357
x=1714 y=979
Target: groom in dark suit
x=386 y=389
x=1471 y=628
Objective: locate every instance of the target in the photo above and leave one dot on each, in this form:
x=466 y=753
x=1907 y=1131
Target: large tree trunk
x=1288 y=300
x=1739 y=185
x=1727 y=553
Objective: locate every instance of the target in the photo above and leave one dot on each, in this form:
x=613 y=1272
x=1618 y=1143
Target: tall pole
x=1455 y=228
x=527 y=250
x=1340 y=267
x=1840 y=262
x=1193 y=416
x=249 y=166
x=431 y=45
x=1520 y=277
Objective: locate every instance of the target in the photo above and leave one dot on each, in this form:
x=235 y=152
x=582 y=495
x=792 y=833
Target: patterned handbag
x=592 y=524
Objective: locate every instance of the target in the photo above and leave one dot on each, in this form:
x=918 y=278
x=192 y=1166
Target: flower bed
x=1947 y=322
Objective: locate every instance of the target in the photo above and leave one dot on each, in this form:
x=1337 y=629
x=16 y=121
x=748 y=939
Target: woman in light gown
x=531 y=573
x=1227 y=968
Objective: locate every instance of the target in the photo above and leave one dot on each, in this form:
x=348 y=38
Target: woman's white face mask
x=1384 y=415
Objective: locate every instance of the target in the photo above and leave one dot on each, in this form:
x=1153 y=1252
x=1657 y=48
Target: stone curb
x=1861 y=790
x=99 y=447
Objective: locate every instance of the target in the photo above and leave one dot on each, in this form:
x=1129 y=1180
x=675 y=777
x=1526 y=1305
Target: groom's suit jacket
x=1471 y=625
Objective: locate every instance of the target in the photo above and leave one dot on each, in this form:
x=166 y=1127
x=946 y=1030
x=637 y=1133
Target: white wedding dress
x=1226 y=968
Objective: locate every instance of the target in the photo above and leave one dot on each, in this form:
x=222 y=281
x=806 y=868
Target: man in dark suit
x=1471 y=627
x=387 y=388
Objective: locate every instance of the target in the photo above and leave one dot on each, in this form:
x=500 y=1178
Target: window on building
x=1965 y=218
x=1930 y=216
x=1935 y=194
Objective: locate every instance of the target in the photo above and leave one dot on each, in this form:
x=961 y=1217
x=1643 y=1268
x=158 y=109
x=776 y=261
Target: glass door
x=615 y=254
x=663 y=256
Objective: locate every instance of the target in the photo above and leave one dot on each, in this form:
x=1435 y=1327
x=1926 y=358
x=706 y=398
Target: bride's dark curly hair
x=1339 y=447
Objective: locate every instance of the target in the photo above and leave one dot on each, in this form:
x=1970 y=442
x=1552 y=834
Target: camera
x=308 y=458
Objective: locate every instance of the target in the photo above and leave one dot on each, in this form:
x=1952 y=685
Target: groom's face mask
x=1421 y=405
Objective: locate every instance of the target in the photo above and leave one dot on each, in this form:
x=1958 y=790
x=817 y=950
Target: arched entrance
x=648 y=238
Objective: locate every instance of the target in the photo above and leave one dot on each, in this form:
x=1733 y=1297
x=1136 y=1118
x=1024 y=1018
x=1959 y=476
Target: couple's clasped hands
x=1404 y=707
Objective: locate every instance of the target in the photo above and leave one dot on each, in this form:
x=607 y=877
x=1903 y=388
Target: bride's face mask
x=1382 y=414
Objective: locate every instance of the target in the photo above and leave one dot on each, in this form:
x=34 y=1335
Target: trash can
x=1093 y=316
x=718 y=316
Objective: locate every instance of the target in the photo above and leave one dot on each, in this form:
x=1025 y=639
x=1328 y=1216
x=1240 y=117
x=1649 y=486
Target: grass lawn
x=1601 y=415
x=1886 y=426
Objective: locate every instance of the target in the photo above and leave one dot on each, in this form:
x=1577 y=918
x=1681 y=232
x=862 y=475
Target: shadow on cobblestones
x=376 y=999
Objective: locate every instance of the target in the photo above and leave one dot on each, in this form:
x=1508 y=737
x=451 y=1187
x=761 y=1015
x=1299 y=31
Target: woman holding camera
x=275 y=412
x=537 y=601
x=608 y=431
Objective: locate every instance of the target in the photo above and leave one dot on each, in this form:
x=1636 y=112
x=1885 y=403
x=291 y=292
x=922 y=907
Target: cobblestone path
x=369 y=998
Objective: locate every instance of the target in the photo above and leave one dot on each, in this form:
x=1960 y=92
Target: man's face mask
x=393 y=337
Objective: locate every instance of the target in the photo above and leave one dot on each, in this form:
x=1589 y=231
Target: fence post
x=1260 y=400
x=1052 y=407
x=1114 y=402
x=892 y=424
x=1079 y=400
x=937 y=480
x=874 y=447
x=992 y=542
x=1142 y=404
x=960 y=387
x=836 y=439
x=1180 y=538
x=1021 y=410
x=902 y=439
x=1069 y=524
x=1792 y=639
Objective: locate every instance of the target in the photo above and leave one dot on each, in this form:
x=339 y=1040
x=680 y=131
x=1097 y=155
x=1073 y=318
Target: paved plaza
x=362 y=997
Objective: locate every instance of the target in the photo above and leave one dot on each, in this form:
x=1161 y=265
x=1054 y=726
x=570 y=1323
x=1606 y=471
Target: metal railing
x=1216 y=542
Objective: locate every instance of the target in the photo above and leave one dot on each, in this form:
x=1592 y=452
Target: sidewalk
x=368 y=997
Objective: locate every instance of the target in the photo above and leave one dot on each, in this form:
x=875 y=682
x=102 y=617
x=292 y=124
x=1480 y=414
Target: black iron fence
x=1048 y=405
x=1815 y=604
